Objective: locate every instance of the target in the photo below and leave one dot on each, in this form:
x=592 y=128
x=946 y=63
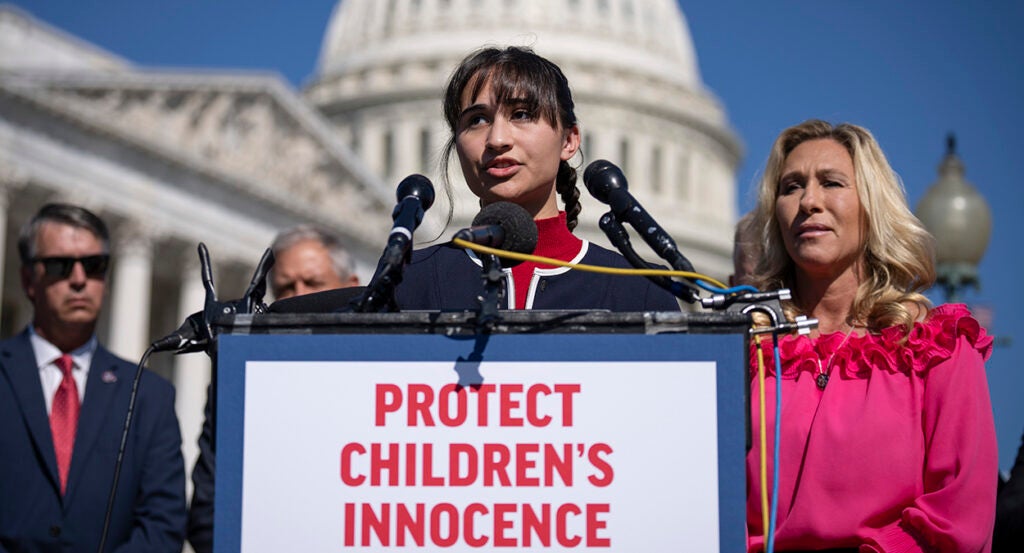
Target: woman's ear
x=571 y=143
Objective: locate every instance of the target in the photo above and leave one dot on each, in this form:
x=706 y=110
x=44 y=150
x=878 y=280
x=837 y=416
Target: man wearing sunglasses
x=63 y=400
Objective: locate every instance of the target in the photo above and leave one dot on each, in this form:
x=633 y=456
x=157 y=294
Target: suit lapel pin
x=108 y=377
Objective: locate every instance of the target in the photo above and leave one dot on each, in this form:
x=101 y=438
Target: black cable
x=617 y=235
x=120 y=450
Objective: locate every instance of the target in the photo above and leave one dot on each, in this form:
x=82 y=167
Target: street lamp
x=959 y=219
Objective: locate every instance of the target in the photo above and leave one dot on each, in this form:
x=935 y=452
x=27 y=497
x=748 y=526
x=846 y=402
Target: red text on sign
x=536 y=405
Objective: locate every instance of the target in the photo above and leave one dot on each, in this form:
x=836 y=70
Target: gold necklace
x=825 y=374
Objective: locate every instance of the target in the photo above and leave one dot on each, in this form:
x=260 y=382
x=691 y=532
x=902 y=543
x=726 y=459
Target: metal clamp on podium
x=465 y=323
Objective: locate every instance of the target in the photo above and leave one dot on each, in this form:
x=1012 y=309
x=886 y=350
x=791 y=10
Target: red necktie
x=64 y=419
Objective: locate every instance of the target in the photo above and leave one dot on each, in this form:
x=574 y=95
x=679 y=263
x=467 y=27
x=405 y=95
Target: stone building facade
x=171 y=158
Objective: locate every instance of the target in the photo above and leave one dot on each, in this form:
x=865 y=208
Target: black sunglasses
x=61 y=267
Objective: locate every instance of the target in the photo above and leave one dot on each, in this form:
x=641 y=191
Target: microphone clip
x=768 y=303
x=196 y=333
x=494 y=291
x=619 y=238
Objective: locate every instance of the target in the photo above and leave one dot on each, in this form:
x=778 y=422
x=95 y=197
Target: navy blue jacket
x=200 y=512
x=448 y=277
x=149 y=512
x=1009 y=534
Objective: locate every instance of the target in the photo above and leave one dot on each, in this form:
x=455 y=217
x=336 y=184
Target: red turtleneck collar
x=553 y=240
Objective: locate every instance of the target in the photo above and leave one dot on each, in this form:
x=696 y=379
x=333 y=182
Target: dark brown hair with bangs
x=517 y=76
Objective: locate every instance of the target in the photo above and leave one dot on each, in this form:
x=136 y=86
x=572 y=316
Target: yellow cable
x=583 y=267
x=652 y=272
x=764 y=437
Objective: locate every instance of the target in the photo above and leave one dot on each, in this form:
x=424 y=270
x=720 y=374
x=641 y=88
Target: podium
x=551 y=431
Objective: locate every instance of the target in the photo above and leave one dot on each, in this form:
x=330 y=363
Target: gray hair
x=340 y=259
x=65 y=214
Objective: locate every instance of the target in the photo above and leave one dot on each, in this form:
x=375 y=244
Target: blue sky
x=909 y=71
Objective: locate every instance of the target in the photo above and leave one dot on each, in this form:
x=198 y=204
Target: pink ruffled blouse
x=896 y=454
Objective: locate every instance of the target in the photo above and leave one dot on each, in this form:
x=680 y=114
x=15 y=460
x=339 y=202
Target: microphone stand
x=250 y=302
x=415 y=196
x=201 y=338
x=380 y=293
x=619 y=238
x=494 y=290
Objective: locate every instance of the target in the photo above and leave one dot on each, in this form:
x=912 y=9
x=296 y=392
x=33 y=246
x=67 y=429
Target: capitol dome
x=631 y=64
x=648 y=38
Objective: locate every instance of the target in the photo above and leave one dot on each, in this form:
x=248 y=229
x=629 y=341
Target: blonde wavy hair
x=898 y=253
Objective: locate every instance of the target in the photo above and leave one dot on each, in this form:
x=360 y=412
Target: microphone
x=188 y=338
x=606 y=182
x=503 y=225
x=415 y=196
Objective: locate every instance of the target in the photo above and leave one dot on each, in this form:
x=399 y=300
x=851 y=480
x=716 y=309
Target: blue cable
x=770 y=535
x=733 y=290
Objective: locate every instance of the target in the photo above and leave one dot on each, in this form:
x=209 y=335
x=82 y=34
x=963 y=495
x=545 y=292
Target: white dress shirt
x=50 y=375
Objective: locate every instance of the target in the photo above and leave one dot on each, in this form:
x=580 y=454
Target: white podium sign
x=533 y=442
x=545 y=456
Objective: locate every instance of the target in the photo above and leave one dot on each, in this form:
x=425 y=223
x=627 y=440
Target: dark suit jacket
x=445 y=277
x=200 y=513
x=149 y=511
x=1009 y=534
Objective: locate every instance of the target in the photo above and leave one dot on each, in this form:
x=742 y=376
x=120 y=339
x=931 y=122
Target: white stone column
x=406 y=137
x=725 y=181
x=670 y=176
x=439 y=134
x=685 y=175
x=5 y=203
x=698 y=174
x=191 y=371
x=130 y=298
x=641 y=174
x=371 y=146
x=12 y=180
x=606 y=143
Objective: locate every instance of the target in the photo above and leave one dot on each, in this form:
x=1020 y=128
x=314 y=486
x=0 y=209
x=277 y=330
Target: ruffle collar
x=929 y=343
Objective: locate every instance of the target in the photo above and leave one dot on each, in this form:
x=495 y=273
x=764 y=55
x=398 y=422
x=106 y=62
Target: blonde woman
x=887 y=440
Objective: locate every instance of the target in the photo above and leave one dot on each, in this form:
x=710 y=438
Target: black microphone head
x=520 y=230
x=418 y=186
x=602 y=177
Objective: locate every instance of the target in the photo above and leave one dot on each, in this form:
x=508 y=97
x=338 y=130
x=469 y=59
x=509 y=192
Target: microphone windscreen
x=601 y=177
x=418 y=186
x=327 y=301
x=520 y=230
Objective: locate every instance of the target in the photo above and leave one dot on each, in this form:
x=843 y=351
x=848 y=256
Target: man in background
x=63 y=401
x=307 y=259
